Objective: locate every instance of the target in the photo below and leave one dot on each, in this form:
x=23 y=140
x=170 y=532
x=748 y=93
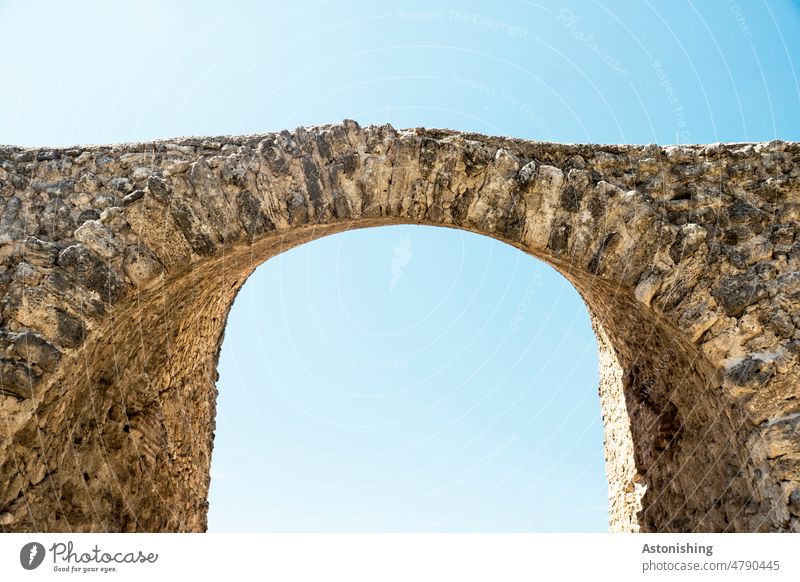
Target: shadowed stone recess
x=119 y=265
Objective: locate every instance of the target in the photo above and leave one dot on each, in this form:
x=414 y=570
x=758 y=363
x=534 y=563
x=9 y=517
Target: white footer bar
x=406 y=557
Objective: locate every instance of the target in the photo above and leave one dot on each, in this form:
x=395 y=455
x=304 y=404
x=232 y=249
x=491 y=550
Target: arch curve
x=120 y=264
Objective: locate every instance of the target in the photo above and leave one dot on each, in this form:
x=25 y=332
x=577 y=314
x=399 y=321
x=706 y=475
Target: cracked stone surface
x=119 y=264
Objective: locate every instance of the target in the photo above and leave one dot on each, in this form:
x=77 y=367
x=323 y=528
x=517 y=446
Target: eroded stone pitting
x=120 y=264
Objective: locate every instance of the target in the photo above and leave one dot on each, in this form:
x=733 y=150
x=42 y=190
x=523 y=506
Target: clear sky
x=404 y=378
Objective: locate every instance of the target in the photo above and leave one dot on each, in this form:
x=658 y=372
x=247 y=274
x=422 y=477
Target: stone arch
x=120 y=264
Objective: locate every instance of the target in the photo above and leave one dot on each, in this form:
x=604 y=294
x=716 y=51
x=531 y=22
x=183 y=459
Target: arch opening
x=407 y=378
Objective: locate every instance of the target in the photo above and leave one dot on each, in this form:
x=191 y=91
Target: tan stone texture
x=119 y=265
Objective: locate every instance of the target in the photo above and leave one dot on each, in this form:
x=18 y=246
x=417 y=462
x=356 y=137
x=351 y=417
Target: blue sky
x=404 y=378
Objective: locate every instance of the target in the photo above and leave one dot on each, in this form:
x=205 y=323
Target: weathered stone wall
x=120 y=264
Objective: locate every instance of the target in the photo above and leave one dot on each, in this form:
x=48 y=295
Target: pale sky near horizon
x=404 y=378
